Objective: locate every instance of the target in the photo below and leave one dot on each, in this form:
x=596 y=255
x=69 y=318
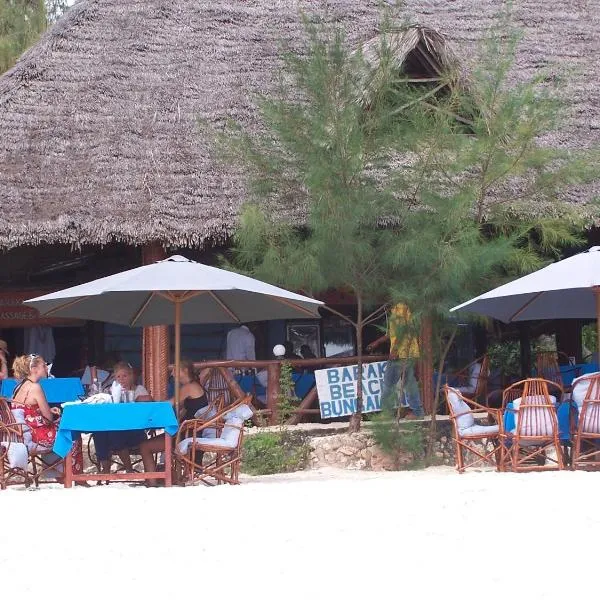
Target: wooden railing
x=223 y=370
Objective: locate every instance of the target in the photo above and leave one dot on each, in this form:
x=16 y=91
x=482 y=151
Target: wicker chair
x=467 y=432
x=11 y=434
x=41 y=460
x=536 y=427
x=220 y=437
x=547 y=366
x=586 y=453
x=472 y=380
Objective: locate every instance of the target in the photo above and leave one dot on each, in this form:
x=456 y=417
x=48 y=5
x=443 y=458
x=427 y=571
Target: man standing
x=404 y=352
x=240 y=344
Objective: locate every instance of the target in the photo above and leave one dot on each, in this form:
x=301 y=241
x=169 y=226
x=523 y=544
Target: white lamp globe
x=279 y=350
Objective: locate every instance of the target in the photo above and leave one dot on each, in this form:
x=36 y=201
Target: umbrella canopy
x=568 y=289
x=145 y=295
x=175 y=291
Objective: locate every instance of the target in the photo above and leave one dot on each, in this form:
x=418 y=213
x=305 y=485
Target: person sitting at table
x=120 y=442
x=192 y=399
x=30 y=406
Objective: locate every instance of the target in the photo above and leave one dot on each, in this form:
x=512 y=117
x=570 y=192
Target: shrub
x=274 y=452
x=399 y=440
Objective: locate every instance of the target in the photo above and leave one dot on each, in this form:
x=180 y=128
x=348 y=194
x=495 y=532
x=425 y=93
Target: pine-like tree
x=424 y=193
x=21 y=24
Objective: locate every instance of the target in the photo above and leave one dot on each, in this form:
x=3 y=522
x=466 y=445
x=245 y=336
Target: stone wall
x=359 y=450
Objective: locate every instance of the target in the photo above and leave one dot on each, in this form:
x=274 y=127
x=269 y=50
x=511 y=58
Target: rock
x=347 y=450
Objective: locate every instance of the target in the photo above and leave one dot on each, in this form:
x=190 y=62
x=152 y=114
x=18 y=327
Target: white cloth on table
x=240 y=344
x=17 y=455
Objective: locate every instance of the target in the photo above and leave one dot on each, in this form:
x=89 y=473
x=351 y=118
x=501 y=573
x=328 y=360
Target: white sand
x=308 y=535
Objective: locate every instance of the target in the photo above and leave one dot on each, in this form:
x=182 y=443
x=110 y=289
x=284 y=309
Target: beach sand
x=316 y=534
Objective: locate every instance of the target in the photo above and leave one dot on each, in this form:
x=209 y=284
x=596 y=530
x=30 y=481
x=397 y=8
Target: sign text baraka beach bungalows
x=337 y=389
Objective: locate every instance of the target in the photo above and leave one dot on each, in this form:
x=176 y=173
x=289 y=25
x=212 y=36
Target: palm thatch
x=98 y=136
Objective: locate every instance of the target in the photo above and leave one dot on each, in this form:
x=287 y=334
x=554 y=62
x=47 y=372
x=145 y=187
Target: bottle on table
x=95 y=385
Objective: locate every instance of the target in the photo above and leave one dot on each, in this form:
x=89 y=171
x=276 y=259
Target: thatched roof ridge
x=97 y=121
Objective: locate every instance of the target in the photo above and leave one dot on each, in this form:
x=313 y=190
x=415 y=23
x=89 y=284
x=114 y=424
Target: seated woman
x=119 y=442
x=193 y=397
x=29 y=397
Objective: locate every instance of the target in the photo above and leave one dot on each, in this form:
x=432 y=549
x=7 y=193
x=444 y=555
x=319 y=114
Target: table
x=88 y=418
x=57 y=390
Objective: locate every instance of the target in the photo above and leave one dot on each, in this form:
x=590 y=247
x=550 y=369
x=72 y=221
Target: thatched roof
x=97 y=121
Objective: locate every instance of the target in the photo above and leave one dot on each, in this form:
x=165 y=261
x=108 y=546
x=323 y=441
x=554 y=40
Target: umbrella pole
x=177 y=351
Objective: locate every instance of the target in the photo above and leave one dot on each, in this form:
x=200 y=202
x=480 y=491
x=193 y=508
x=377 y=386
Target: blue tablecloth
x=57 y=390
x=303 y=383
x=79 y=418
x=563 y=413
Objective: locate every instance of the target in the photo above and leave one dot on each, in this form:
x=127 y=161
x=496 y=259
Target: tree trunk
x=438 y=385
x=355 y=419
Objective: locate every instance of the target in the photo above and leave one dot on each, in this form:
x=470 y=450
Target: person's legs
x=101 y=444
x=147 y=449
x=411 y=389
x=391 y=376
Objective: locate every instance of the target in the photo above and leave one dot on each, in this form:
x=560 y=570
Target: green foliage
x=21 y=24
x=398 y=440
x=425 y=194
x=274 y=452
x=589 y=336
x=286 y=403
x=505 y=356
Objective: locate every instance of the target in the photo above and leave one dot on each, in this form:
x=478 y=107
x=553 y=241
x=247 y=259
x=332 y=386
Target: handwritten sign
x=336 y=389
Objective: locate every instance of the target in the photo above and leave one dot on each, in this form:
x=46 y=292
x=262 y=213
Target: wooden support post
x=273 y=392
x=155 y=342
x=426 y=366
x=308 y=401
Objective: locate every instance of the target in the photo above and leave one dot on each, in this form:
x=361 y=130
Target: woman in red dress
x=39 y=417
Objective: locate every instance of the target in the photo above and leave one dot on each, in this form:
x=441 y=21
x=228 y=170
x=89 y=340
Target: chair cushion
x=17 y=455
x=479 y=430
x=538 y=421
x=474 y=375
x=580 y=387
x=243 y=412
x=464 y=421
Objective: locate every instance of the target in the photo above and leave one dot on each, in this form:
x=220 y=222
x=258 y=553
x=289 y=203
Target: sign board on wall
x=336 y=388
x=13 y=313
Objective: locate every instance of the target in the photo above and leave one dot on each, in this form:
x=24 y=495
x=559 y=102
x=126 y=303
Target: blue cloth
x=106 y=442
x=57 y=390
x=303 y=383
x=563 y=416
x=79 y=418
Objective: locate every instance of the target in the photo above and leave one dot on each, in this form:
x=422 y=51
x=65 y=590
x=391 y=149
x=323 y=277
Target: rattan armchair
x=475 y=444
x=586 y=451
x=219 y=438
x=533 y=444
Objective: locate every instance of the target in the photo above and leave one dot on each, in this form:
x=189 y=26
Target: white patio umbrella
x=175 y=291
x=568 y=289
